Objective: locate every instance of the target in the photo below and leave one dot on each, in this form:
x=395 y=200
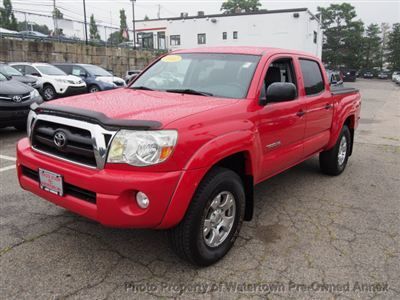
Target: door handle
x=300 y=113
x=328 y=106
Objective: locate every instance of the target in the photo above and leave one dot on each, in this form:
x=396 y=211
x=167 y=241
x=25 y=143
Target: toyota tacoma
x=182 y=147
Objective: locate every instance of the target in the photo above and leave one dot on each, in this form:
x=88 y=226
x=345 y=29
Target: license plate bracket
x=51 y=182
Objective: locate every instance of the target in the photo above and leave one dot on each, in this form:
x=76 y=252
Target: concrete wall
x=118 y=60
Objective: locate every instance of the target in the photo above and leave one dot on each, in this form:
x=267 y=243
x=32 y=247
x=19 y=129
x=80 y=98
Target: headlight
x=142 y=148
x=34 y=94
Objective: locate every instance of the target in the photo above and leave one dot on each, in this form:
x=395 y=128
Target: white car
x=396 y=78
x=394 y=75
x=55 y=82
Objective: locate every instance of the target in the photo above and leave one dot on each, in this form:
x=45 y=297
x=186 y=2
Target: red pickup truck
x=182 y=147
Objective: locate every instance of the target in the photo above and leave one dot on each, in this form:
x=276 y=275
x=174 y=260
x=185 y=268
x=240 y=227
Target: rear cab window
x=312 y=76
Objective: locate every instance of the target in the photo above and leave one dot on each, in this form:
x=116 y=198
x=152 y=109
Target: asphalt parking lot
x=313 y=236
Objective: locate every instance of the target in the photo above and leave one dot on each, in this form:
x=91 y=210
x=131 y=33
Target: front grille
x=78 y=146
x=8 y=97
x=69 y=189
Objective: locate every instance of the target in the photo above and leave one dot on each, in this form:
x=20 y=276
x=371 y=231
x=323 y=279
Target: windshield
x=51 y=70
x=97 y=71
x=220 y=75
x=9 y=71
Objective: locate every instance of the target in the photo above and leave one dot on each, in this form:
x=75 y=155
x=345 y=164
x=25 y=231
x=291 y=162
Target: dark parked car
x=349 y=75
x=368 y=74
x=383 y=75
x=15 y=100
x=96 y=78
x=12 y=73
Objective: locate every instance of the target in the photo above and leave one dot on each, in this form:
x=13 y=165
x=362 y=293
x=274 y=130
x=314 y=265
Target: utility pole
x=84 y=12
x=133 y=23
x=54 y=18
x=26 y=23
x=159 y=12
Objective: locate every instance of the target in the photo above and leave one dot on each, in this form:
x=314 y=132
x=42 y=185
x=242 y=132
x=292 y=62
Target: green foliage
x=343 y=41
x=93 y=30
x=393 y=48
x=118 y=36
x=146 y=18
x=372 y=47
x=7 y=17
x=115 y=38
x=238 y=6
x=57 y=14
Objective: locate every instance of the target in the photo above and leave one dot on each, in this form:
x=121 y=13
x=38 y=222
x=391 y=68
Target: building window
x=315 y=37
x=175 y=40
x=224 y=35
x=201 y=38
x=235 y=35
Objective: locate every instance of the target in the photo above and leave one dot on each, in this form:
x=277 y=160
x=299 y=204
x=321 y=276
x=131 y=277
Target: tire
x=334 y=161
x=189 y=240
x=49 y=93
x=94 y=89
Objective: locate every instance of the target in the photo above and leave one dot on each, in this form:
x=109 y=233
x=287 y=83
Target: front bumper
x=114 y=191
x=16 y=113
x=72 y=90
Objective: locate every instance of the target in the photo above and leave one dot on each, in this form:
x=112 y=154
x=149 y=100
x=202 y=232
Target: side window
x=281 y=70
x=30 y=70
x=20 y=68
x=77 y=71
x=312 y=77
x=235 y=35
x=175 y=40
x=224 y=35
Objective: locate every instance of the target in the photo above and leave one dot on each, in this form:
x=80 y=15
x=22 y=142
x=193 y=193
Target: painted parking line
x=7 y=168
x=7 y=157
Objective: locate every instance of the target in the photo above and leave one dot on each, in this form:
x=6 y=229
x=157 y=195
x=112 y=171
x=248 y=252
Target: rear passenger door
x=319 y=106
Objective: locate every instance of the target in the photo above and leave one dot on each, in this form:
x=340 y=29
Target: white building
x=296 y=29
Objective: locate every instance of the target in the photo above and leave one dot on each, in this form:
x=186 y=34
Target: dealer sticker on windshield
x=171 y=58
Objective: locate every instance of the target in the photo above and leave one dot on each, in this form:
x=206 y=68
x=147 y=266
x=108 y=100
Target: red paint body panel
x=209 y=130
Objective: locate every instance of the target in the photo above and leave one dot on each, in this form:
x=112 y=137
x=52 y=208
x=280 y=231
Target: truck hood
x=129 y=104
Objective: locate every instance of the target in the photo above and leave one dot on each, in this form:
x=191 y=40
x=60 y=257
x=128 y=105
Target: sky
x=106 y=11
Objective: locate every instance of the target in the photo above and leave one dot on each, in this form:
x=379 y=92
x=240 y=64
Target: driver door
x=281 y=124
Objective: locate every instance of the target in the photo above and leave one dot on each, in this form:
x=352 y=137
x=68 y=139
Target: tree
x=57 y=14
x=115 y=38
x=385 y=36
x=146 y=18
x=123 y=27
x=7 y=17
x=343 y=40
x=393 y=48
x=93 y=30
x=238 y=6
x=372 y=47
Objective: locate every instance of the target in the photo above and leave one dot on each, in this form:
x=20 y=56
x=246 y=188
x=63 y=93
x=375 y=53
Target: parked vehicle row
x=48 y=82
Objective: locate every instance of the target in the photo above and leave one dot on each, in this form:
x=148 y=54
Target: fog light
x=142 y=200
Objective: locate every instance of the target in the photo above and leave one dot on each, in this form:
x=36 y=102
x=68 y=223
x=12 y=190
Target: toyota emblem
x=17 y=99
x=60 y=139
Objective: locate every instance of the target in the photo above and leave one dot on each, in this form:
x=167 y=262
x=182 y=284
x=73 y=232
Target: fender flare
x=199 y=165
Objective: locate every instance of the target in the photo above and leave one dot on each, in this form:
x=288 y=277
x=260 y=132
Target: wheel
x=334 y=161
x=213 y=219
x=49 y=93
x=20 y=127
x=94 y=89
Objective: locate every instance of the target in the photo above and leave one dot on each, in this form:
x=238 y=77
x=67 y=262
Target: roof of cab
x=242 y=50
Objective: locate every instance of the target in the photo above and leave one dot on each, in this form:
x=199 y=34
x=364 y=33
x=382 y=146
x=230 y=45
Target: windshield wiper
x=145 y=88
x=189 y=91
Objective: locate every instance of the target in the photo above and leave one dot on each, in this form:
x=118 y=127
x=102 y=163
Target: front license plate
x=51 y=182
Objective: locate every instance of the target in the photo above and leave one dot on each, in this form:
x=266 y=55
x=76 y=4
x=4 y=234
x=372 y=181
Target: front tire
x=334 y=161
x=94 y=89
x=49 y=93
x=213 y=219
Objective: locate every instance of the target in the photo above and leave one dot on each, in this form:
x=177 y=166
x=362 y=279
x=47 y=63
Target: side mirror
x=279 y=92
x=36 y=75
